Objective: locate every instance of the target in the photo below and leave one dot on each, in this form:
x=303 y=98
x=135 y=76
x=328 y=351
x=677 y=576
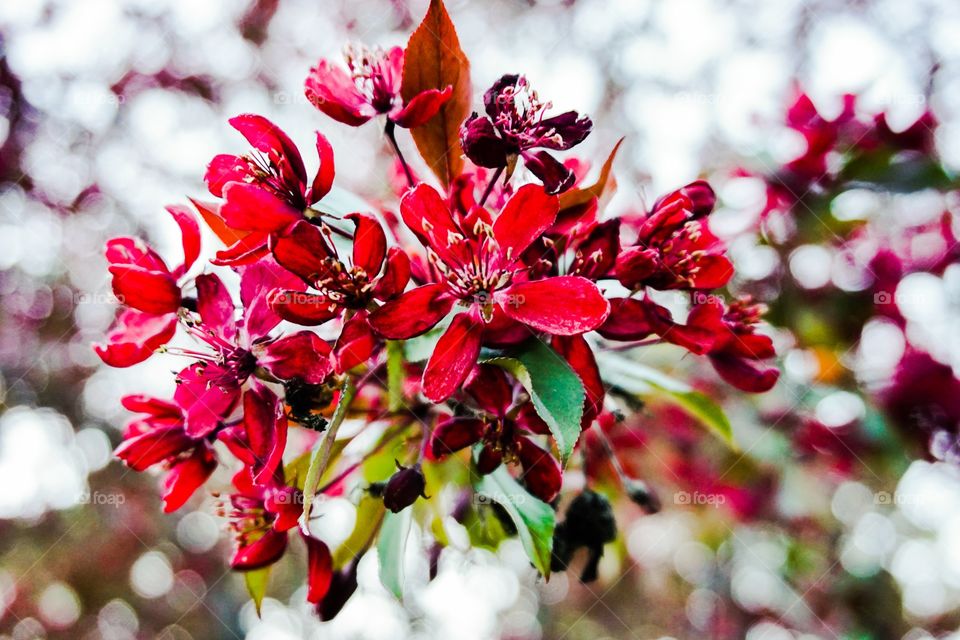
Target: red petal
x=302 y=355
x=627 y=320
x=525 y=217
x=190 y=236
x=252 y=208
x=185 y=477
x=145 y=450
x=334 y=93
x=153 y=292
x=155 y=407
x=698 y=336
x=355 y=344
x=323 y=181
x=455 y=434
x=636 y=264
x=453 y=358
x=422 y=107
x=223 y=169
x=204 y=402
x=319 y=569
x=264 y=551
x=744 y=374
x=490 y=389
x=395 y=276
x=216 y=306
x=302 y=249
x=563 y=305
x=247 y=250
x=712 y=272
x=270 y=139
x=133 y=251
x=307 y=309
x=369 y=243
x=597 y=255
x=578 y=355
x=541 y=472
x=413 y=313
x=257 y=282
x=135 y=336
x=427 y=214
x=266 y=428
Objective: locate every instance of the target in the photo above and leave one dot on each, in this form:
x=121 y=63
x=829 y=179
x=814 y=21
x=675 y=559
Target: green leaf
x=640 y=379
x=555 y=390
x=391 y=549
x=369 y=516
x=324 y=450
x=394 y=375
x=257 y=580
x=534 y=519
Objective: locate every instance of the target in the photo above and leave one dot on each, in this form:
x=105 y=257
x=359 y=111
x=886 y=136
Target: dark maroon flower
x=266 y=190
x=370 y=88
x=504 y=428
x=260 y=516
x=481 y=269
x=515 y=125
x=404 y=487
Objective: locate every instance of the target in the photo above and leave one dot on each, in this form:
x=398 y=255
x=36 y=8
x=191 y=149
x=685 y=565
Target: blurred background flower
x=837 y=516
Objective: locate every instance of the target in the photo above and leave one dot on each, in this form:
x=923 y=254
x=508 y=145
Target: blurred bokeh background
x=840 y=515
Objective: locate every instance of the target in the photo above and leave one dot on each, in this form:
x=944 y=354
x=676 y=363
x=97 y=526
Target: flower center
x=371 y=74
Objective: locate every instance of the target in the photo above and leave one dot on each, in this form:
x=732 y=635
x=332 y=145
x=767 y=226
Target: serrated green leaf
x=256 y=581
x=391 y=548
x=555 y=390
x=640 y=379
x=534 y=519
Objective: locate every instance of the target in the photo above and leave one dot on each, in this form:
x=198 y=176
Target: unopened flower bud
x=403 y=488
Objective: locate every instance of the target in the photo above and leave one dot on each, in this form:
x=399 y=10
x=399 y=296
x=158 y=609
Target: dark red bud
x=403 y=488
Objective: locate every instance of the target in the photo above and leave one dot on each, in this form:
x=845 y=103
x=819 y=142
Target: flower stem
x=322 y=457
x=489 y=189
x=390 y=131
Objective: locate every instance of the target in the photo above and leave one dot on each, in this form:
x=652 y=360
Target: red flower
x=371 y=88
x=674 y=247
x=304 y=251
x=737 y=350
x=503 y=427
x=515 y=125
x=481 y=270
x=159 y=438
x=144 y=283
x=266 y=190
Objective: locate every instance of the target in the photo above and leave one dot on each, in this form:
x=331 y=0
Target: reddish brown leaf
x=216 y=224
x=582 y=195
x=434 y=60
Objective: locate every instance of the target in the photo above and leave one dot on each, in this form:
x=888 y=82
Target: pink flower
x=481 y=270
x=370 y=87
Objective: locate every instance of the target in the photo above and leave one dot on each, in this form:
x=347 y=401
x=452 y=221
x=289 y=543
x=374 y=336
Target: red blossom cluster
x=479 y=265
